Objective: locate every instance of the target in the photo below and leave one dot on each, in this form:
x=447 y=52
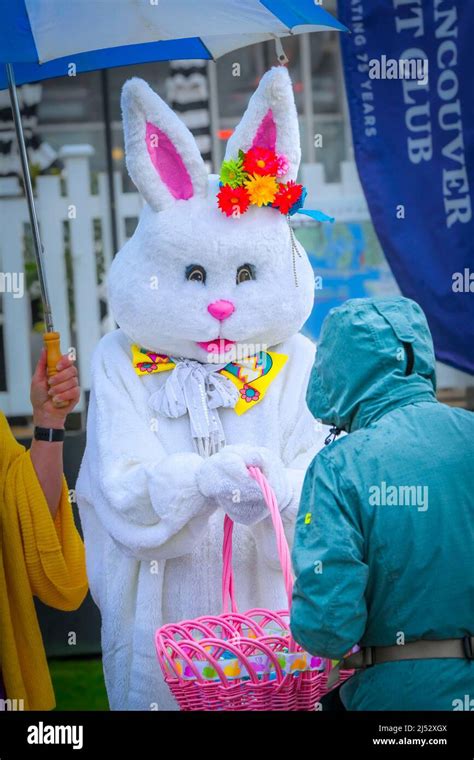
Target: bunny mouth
x=216 y=346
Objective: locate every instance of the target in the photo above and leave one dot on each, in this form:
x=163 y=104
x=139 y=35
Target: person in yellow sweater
x=41 y=552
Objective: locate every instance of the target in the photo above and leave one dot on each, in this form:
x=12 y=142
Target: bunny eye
x=245 y=273
x=196 y=273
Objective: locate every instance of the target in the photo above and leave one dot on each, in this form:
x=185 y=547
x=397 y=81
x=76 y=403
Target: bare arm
x=47 y=457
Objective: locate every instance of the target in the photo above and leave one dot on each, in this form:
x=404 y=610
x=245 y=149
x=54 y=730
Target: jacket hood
x=373 y=356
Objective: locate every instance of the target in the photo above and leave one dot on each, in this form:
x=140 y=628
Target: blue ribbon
x=319 y=216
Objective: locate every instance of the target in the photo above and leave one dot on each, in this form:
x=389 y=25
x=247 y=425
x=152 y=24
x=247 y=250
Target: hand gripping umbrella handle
x=53 y=349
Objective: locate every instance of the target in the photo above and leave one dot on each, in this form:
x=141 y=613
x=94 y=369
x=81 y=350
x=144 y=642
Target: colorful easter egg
x=232 y=670
x=298 y=664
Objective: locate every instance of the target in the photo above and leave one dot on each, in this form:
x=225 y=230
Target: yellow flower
x=262 y=190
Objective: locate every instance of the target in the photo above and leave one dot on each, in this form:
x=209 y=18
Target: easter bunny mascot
x=206 y=375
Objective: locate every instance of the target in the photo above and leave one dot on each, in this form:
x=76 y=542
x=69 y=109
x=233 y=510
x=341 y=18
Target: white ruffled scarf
x=199 y=390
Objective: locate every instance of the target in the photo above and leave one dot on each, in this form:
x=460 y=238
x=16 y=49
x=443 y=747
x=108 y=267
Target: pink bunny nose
x=221 y=309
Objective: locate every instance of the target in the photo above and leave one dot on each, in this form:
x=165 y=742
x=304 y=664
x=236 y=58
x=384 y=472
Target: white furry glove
x=225 y=478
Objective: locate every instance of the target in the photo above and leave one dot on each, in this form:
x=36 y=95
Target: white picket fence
x=79 y=207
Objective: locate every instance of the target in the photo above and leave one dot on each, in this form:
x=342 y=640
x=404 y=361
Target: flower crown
x=252 y=180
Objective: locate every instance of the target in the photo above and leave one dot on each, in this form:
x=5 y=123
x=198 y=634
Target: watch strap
x=52 y=435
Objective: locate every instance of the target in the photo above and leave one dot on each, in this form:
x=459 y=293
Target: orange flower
x=262 y=190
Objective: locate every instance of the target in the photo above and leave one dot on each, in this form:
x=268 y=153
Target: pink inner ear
x=266 y=133
x=168 y=163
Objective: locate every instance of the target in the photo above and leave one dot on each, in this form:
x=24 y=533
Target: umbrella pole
x=51 y=338
x=104 y=85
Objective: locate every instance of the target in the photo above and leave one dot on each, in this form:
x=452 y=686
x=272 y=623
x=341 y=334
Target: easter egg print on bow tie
x=251 y=368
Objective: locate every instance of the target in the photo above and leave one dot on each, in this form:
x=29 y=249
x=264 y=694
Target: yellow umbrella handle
x=52 y=343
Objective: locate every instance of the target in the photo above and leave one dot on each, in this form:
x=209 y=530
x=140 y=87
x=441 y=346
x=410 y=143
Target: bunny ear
x=163 y=159
x=270 y=121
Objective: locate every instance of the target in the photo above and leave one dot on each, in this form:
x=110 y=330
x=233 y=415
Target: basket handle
x=283 y=549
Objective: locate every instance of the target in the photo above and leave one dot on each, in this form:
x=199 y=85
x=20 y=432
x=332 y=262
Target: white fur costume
x=152 y=509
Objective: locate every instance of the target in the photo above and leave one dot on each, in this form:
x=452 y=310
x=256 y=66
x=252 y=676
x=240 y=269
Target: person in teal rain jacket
x=384 y=543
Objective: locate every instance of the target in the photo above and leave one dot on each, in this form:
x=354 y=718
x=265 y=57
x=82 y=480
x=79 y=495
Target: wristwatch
x=52 y=435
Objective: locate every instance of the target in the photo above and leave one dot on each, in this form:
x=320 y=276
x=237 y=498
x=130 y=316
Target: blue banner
x=409 y=69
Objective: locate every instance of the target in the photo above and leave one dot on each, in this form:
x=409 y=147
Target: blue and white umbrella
x=43 y=39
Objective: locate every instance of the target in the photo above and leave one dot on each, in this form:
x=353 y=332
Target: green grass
x=79 y=684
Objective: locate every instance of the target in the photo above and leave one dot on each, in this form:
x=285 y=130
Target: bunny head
x=193 y=282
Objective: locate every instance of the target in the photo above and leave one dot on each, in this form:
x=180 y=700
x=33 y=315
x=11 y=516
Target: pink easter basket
x=242 y=661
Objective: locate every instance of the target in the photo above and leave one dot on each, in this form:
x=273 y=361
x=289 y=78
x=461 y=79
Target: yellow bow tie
x=252 y=377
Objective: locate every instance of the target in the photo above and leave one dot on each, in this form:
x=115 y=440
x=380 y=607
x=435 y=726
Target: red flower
x=287 y=195
x=261 y=161
x=233 y=201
